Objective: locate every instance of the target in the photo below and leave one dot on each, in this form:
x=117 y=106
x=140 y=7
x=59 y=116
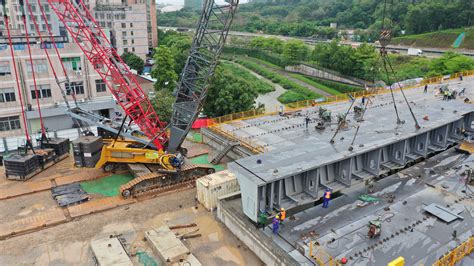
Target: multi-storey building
x=132 y=27
x=130 y=24
x=16 y=22
x=89 y=89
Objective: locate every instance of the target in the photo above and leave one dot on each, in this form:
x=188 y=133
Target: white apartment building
x=127 y=21
x=130 y=25
x=90 y=90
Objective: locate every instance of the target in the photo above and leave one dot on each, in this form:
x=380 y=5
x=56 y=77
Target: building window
x=124 y=33
x=7 y=95
x=100 y=85
x=72 y=63
x=40 y=66
x=133 y=49
x=131 y=33
x=9 y=123
x=125 y=50
x=125 y=42
x=131 y=25
x=133 y=41
x=5 y=68
x=44 y=91
x=124 y=25
x=75 y=87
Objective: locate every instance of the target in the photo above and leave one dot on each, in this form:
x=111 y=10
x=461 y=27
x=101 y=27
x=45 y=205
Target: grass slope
x=439 y=39
x=260 y=86
x=295 y=91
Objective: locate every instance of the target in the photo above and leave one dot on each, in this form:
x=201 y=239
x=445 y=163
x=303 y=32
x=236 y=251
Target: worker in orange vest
x=326 y=198
x=282 y=215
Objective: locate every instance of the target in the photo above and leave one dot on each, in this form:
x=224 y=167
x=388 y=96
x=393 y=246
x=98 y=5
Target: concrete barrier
x=318 y=73
x=255 y=240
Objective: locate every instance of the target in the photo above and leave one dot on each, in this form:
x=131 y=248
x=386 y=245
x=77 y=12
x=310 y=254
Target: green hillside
x=439 y=39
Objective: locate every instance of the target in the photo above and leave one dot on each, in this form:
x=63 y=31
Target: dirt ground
x=24 y=206
x=69 y=243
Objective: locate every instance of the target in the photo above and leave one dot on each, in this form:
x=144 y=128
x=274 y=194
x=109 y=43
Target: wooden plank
x=25 y=225
x=98 y=205
x=24 y=188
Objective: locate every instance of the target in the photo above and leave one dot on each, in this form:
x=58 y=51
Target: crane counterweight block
x=118 y=78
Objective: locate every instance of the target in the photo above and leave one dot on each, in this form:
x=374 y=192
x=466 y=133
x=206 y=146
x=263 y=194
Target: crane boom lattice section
x=107 y=63
x=209 y=40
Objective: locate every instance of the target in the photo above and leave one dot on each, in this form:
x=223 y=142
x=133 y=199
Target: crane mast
x=211 y=34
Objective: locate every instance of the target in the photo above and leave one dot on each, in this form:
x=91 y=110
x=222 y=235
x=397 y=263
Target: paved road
x=270 y=100
x=427 y=51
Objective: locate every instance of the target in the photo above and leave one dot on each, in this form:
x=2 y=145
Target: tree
x=164 y=69
x=133 y=61
x=163 y=104
x=295 y=50
x=228 y=94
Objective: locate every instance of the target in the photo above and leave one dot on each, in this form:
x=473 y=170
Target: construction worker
x=306 y=120
x=445 y=95
x=276 y=224
x=363 y=100
x=426 y=89
x=326 y=198
x=282 y=215
x=262 y=220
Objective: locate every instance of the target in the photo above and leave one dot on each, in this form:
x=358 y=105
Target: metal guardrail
x=375 y=91
x=253 y=147
x=321 y=257
x=457 y=254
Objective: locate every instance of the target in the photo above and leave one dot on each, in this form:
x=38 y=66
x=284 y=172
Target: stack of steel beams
x=87 y=151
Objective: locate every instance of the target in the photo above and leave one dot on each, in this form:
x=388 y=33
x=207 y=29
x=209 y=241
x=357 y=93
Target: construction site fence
x=313 y=102
x=457 y=254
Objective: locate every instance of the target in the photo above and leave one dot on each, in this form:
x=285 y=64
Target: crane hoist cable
x=35 y=85
x=341 y=123
x=12 y=52
x=351 y=147
x=384 y=39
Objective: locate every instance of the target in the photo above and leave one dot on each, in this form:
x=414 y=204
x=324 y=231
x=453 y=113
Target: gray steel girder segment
x=305 y=186
x=191 y=92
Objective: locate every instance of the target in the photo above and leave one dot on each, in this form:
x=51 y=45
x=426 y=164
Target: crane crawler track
x=162 y=181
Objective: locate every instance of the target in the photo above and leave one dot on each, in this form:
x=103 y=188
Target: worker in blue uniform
x=326 y=198
x=276 y=224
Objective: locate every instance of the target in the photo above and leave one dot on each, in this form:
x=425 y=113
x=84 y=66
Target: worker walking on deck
x=276 y=224
x=282 y=215
x=426 y=89
x=306 y=120
x=326 y=198
x=262 y=220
